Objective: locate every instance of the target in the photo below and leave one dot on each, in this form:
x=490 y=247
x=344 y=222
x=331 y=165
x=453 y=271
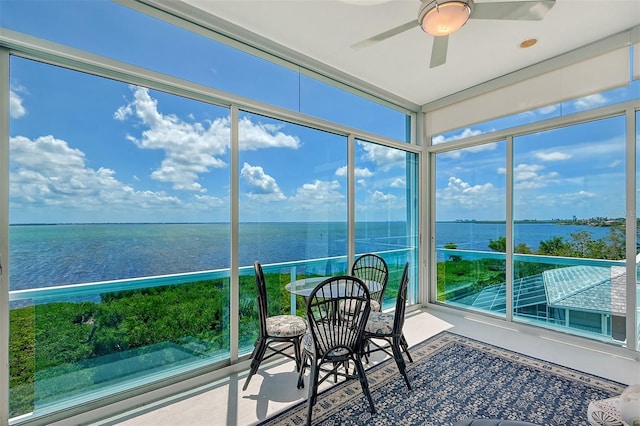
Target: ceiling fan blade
x=385 y=35
x=513 y=10
x=439 y=51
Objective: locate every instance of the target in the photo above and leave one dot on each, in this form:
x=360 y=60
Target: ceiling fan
x=440 y=18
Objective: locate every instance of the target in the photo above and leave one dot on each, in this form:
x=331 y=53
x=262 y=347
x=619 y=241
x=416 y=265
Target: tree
x=499 y=245
x=555 y=246
x=616 y=247
x=582 y=244
x=453 y=257
x=522 y=248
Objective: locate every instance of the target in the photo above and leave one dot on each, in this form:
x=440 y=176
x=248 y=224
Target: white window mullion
x=351 y=195
x=509 y=224
x=632 y=302
x=4 y=236
x=234 y=285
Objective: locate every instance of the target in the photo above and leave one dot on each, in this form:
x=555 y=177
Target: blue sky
x=572 y=171
x=88 y=149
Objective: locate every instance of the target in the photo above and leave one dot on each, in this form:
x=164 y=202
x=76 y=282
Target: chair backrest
x=261 y=287
x=374 y=268
x=337 y=312
x=401 y=302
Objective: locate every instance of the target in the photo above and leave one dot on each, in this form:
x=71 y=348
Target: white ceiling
x=324 y=31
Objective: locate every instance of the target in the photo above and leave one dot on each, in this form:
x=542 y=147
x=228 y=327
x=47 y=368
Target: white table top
x=304 y=286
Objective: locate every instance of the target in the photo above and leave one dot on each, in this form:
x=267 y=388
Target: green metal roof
x=587 y=288
x=528 y=291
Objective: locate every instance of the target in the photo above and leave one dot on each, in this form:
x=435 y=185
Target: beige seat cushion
x=286 y=326
x=380 y=323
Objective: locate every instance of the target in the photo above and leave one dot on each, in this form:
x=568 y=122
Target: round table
x=304 y=286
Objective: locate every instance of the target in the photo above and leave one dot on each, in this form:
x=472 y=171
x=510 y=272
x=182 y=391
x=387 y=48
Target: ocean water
x=52 y=255
x=476 y=236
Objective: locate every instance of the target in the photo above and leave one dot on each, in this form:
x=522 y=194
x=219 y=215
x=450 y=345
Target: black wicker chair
x=371 y=267
x=387 y=326
x=334 y=336
x=274 y=329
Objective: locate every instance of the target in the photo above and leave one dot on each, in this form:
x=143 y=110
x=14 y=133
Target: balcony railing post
x=292 y=278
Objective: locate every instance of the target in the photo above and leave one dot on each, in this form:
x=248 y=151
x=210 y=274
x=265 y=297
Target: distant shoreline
x=588 y=222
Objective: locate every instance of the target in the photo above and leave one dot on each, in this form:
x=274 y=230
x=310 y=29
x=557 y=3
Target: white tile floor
x=273 y=388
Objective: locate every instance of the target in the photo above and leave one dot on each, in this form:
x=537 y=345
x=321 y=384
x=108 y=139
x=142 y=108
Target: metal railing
x=97 y=343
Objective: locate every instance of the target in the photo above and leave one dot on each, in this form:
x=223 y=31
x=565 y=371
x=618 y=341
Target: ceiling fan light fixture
x=441 y=18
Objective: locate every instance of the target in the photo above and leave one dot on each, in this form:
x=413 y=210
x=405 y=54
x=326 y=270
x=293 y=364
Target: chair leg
x=297 y=353
x=255 y=345
x=303 y=366
x=397 y=355
x=313 y=389
x=258 y=354
x=365 y=351
x=364 y=383
x=405 y=347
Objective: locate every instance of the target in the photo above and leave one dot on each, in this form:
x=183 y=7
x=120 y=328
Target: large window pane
x=386 y=211
x=320 y=99
x=293 y=211
x=119 y=230
x=562 y=109
x=144 y=41
x=569 y=208
x=470 y=229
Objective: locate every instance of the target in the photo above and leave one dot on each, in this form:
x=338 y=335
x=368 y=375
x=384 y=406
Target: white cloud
x=123 y=112
x=261 y=185
x=526 y=171
x=192 y=148
x=471 y=150
x=548 y=109
x=47 y=171
x=590 y=101
x=460 y=197
x=205 y=202
x=257 y=136
x=552 y=156
x=466 y=133
x=530 y=176
x=16 y=109
x=318 y=193
x=46 y=154
x=381 y=197
x=585 y=194
x=361 y=173
x=384 y=157
x=398 y=183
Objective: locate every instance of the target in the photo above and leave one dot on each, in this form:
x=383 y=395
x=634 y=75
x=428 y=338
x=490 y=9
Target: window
x=386 y=211
x=569 y=213
x=470 y=227
x=121 y=199
x=628 y=89
x=144 y=41
x=114 y=189
x=293 y=210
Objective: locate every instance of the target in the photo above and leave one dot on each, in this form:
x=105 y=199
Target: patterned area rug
x=454 y=378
